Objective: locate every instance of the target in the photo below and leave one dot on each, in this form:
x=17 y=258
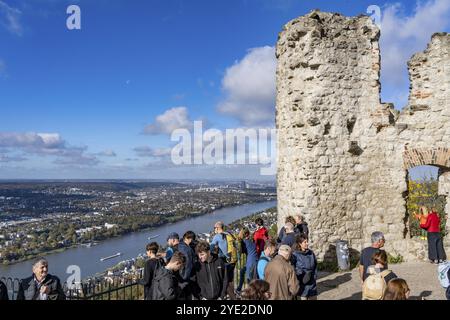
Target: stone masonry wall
x=342 y=154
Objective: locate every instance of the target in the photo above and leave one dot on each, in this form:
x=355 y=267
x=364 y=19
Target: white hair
x=284 y=250
x=39 y=261
x=377 y=236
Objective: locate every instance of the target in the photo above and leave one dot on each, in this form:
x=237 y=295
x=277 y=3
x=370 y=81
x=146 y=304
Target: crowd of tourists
x=271 y=268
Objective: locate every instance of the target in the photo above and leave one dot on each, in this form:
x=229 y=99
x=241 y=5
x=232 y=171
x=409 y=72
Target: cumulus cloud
x=106 y=153
x=32 y=141
x=5 y=158
x=10 y=18
x=146 y=151
x=249 y=87
x=166 y=123
x=46 y=144
x=78 y=160
x=404 y=35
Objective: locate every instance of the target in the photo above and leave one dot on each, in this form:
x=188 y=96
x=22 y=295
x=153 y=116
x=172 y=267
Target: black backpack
x=159 y=264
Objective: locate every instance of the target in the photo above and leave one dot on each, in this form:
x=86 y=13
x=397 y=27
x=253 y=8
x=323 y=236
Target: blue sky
x=97 y=102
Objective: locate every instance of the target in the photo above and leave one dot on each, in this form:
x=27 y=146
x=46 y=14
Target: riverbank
x=87 y=259
x=171 y=220
x=132 y=267
x=34 y=256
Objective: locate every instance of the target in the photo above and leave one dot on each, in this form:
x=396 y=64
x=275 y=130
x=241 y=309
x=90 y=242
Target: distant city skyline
x=101 y=102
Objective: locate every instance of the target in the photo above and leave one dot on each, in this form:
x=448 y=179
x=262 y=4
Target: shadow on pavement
x=422 y=295
x=355 y=296
x=331 y=284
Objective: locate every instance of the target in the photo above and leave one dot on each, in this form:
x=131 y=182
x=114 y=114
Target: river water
x=130 y=245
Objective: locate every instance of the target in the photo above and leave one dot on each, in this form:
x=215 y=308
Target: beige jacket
x=280 y=274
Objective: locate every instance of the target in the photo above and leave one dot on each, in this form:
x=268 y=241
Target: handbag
x=307 y=277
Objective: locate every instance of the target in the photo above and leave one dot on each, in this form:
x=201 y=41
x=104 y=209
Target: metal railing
x=12 y=284
x=110 y=288
x=107 y=288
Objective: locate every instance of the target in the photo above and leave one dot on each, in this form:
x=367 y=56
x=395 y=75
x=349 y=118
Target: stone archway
x=439 y=157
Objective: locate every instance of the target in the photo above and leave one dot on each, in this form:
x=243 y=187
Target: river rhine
x=130 y=245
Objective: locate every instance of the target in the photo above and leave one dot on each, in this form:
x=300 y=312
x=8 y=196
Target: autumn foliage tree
x=424 y=192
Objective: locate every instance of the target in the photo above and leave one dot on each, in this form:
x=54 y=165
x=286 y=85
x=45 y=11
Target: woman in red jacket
x=435 y=246
x=260 y=236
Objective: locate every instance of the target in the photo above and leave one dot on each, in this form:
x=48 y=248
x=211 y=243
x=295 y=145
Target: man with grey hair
x=365 y=260
x=41 y=285
x=280 y=275
x=219 y=244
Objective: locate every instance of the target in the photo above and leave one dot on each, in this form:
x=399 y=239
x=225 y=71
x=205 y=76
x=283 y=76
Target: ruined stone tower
x=343 y=155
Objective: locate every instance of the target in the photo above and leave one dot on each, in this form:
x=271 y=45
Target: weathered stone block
x=351 y=151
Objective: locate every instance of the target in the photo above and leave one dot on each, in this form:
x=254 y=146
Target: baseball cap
x=173 y=235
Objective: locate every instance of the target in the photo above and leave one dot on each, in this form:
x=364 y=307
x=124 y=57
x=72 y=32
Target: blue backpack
x=254 y=272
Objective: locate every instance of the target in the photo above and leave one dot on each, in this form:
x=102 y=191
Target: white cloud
x=166 y=123
x=161 y=152
x=143 y=151
x=6 y=158
x=46 y=144
x=78 y=160
x=10 y=18
x=404 y=35
x=146 y=151
x=250 y=89
x=106 y=153
x=31 y=140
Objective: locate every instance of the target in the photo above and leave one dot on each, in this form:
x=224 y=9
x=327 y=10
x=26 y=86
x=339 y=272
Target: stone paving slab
x=420 y=276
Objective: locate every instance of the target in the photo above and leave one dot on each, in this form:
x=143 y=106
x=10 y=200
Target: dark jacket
x=165 y=285
x=303 y=228
x=305 y=264
x=282 y=233
x=28 y=289
x=211 y=279
x=3 y=291
x=151 y=265
x=193 y=245
x=186 y=272
x=289 y=239
x=169 y=253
